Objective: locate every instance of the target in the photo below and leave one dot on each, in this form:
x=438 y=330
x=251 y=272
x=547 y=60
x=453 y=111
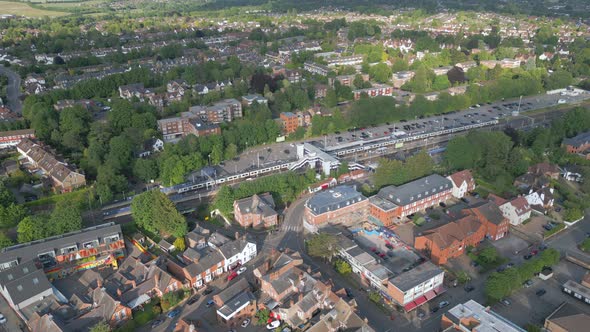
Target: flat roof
x=419 y=274
x=334 y=199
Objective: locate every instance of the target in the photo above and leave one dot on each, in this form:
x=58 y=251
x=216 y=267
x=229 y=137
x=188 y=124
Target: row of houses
x=63 y=177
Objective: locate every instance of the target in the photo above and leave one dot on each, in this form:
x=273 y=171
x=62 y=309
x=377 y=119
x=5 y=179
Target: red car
x=232 y=276
x=534 y=252
x=373 y=249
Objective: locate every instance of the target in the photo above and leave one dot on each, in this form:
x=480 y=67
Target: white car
x=2 y=319
x=273 y=325
x=242 y=269
x=246 y=322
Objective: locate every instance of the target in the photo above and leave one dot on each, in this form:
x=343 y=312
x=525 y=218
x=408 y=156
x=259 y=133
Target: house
x=516 y=211
x=175 y=128
x=320 y=91
x=541 y=200
x=451 y=239
x=235 y=303
x=431 y=96
x=340 y=204
x=463 y=183
x=134 y=90
x=551 y=171
x=225 y=110
x=256 y=211
x=315 y=68
x=402 y=77
x=472 y=316
x=248 y=100
x=374 y=91
x=150 y=146
x=289 y=121
x=293 y=76
x=490 y=215
x=393 y=203
x=466 y=65
x=572 y=173
x=237 y=252
x=63 y=178
x=23 y=284
x=341 y=318
x=567 y=318
x=346 y=80
x=579 y=144
x=201 y=266
x=345 y=61
x=70 y=252
x=11 y=138
x=9 y=167
x=177 y=86
x=510 y=63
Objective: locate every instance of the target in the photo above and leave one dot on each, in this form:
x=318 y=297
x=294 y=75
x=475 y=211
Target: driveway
x=13 y=322
x=13 y=89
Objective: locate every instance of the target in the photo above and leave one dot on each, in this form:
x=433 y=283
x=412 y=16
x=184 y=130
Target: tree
x=488 y=255
x=31 y=228
x=65 y=218
x=145 y=169
x=5 y=241
x=380 y=72
x=331 y=99
x=101 y=326
x=322 y=245
x=558 y=79
x=6 y=196
x=262 y=317
x=179 y=244
x=441 y=82
x=11 y=215
x=342 y=267
x=156 y=213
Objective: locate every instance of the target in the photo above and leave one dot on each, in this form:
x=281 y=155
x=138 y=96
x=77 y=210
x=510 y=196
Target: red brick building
x=450 y=240
x=374 y=91
x=340 y=204
x=578 y=144
x=490 y=215
x=290 y=122
x=13 y=137
x=256 y=211
x=393 y=203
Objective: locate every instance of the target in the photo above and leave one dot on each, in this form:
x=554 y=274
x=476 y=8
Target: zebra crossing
x=291 y=228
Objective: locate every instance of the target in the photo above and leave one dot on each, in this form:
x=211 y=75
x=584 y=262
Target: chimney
x=98 y=282
x=274 y=275
x=309 y=270
x=119 y=293
x=300 y=296
x=157 y=278
x=237 y=236
x=291 y=303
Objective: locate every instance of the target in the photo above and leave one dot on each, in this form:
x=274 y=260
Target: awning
x=440 y=289
x=410 y=306
x=430 y=295
x=421 y=300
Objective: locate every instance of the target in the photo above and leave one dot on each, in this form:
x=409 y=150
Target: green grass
x=23 y=9
x=78 y=196
x=555 y=229
x=585 y=245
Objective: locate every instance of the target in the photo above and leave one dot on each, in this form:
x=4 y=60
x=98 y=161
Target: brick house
x=289 y=121
x=516 y=211
x=340 y=204
x=256 y=211
x=579 y=144
x=13 y=137
x=463 y=183
x=320 y=90
x=451 y=239
x=393 y=203
x=374 y=91
x=490 y=215
x=545 y=169
x=235 y=303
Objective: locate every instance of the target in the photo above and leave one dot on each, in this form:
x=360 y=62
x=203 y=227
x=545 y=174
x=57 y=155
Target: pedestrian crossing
x=291 y=228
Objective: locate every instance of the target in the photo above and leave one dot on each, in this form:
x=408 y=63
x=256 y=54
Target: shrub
x=585 y=245
x=342 y=267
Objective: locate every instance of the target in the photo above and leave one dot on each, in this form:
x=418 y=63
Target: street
x=13 y=89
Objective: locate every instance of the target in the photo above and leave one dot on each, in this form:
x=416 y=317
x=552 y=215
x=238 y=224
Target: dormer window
x=90 y=244
x=111 y=238
x=69 y=249
x=46 y=255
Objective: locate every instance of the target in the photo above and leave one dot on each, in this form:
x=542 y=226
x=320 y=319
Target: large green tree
x=155 y=212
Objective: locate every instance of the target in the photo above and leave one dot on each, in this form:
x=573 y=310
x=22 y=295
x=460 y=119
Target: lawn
x=18 y=8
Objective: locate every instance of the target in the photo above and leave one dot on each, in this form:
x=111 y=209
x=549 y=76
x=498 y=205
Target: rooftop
x=334 y=199
x=415 y=276
x=475 y=315
x=415 y=190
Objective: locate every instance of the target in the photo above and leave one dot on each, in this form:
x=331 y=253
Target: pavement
x=13 y=89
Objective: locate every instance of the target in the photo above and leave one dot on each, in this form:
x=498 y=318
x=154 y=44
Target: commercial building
x=472 y=316
x=451 y=239
x=338 y=205
x=416 y=286
x=13 y=137
x=256 y=211
x=393 y=203
x=567 y=318
x=235 y=303
x=463 y=183
x=374 y=91
x=63 y=177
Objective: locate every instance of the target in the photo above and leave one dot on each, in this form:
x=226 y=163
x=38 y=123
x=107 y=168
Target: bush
x=342 y=267
x=375 y=297
x=171 y=299
x=585 y=245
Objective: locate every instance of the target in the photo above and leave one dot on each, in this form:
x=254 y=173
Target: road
x=13 y=89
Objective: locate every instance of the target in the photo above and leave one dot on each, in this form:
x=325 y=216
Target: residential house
x=393 y=203
x=23 y=284
x=11 y=138
x=472 y=316
x=466 y=65
x=9 y=167
x=237 y=252
x=340 y=204
x=450 y=240
x=248 y=100
x=463 y=183
x=315 y=68
x=516 y=211
x=177 y=86
x=175 y=128
x=490 y=215
x=135 y=90
x=235 y=303
x=439 y=71
x=150 y=146
x=567 y=318
x=62 y=176
x=374 y=91
x=341 y=318
x=579 y=144
x=541 y=200
x=346 y=80
x=510 y=63
x=289 y=121
x=345 y=61
x=225 y=110
x=320 y=91
x=293 y=76
x=551 y=171
x=256 y=211
x=402 y=77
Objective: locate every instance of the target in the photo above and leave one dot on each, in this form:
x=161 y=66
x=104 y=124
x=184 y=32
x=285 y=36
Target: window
x=111 y=238
x=69 y=249
x=8 y=265
x=20 y=288
x=46 y=255
x=90 y=244
x=35 y=281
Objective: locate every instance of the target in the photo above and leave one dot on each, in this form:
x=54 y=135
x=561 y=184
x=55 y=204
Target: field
x=22 y=9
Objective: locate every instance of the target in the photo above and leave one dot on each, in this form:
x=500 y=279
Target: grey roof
x=28 y=251
x=208 y=259
x=415 y=276
x=570 y=317
x=361 y=256
x=378 y=270
x=579 y=140
x=230 y=249
x=233 y=290
x=415 y=190
x=235 y=303
x=491 y=212
x=28 y=285
x=262 y=204
x=382 y=203
x=334 y=199
x=217 y=239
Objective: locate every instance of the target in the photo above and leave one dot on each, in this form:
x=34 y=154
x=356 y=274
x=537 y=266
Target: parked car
x=506 y=301
x=528 y=283
x=548 y=227
x=464 y=200
x=443 y=304
x=468 y=288
x=528 y=256
x=173 y=313
x=242 y=269
x=246 y=322
x=209 y=303
x=2 y=319
x=434 y=309
x=442 y=204
x=534 y=252
x=509 y=265
x=156 y=323
x=232 y=276
x=273 y=325
x=421 y=314
x=193 y=300
x=541 y=292
x=349 y=293
x=208 y=291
